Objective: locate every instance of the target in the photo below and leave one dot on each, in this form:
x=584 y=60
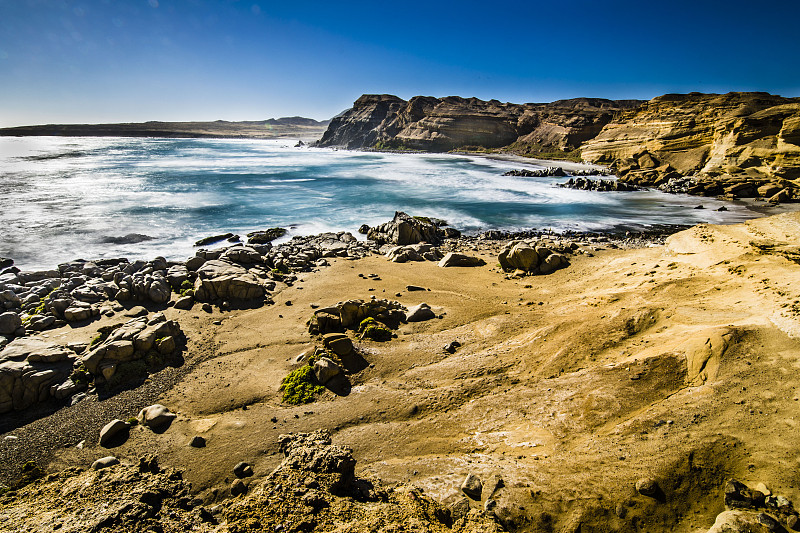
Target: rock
x=363 y=229
x=166 y=345
x=781 y=196
x=472 y=486
x=112 y=432
x=238 y=488
x=647 y=487
x=193 y=263
x=184 y=302
x=78 y=314
x=41 y=322
x=159 y=291
x=325 y=370
x=740 y=141
x=412 y=288
x=738 y=521
x=242 y=255
x=739 y=496
x=770 y=189
x=451 y=347
x=262 y=237
x=459 y=509
x=218 y=280
x=520 y=256
x=135 y=311
x=9 y=323
x=213 y=239
x=453 y=259
x=176 y=275
x=404 y=229
x=31 y=371
x=243 y=470
x=105 y=462
x=420 y=312
x=197 y=442
x=443 y=124
x=156 y=416
x=338 y=343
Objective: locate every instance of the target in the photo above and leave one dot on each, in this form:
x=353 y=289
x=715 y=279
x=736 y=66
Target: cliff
x=441 y=124
x=733 y=143
x=734 y=137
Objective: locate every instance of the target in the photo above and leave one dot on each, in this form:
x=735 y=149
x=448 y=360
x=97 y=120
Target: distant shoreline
x=220 y=129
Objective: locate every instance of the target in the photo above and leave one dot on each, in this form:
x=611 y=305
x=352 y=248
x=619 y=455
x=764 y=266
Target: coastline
x=586 y=365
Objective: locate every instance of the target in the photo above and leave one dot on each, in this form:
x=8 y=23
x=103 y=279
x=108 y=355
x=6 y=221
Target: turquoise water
x=64 y=198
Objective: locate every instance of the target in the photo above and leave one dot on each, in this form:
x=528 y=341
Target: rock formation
x=732 y=144
x=721 y=139
x=441 y=124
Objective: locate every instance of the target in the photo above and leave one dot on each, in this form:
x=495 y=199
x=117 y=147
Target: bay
x=67 y=198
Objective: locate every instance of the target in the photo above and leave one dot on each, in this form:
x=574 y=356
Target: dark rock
x=647 y=487
x=265 y=236
x=472 y=486
x=213 y=239
x=242 y=470
x=197 y=442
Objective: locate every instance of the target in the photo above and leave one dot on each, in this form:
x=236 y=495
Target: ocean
x=68 y=198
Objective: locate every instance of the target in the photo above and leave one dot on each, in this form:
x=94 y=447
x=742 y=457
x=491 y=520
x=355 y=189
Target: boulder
x=420 y=312
x=242 y=470
x=156 y=416
x=338 y=343
x=325 y=370
x=31 y=370
x=219 y=279
x=9 y=323
x=112 y=432
x=519 y=256
x=472 y=486
x=453 y=259
x=647 y=487
x=241 y=254
x=404 y=229
x=184 y=302
x=105 y=462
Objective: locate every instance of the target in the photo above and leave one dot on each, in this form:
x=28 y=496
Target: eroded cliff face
x=734 y=137
x=441 y=124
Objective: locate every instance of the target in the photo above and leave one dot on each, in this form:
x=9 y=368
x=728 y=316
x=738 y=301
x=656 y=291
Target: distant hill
x=256 y=129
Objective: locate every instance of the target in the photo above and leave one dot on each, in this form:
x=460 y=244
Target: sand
x=675 y=362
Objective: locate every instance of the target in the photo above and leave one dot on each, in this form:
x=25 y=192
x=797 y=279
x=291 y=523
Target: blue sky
x=136 y=60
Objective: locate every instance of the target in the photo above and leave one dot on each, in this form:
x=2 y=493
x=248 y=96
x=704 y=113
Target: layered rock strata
x=441 y=124
x=731 y=143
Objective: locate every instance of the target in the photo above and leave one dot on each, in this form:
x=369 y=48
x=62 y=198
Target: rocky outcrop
x=316 y=484
x=441 y=124
x=32 y=371
x=108 y=497
x=349 y=315
x=133 y=340
x=741 y=140
x=534 y=257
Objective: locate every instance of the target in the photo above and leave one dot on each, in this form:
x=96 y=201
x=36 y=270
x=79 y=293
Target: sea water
x=67 y=198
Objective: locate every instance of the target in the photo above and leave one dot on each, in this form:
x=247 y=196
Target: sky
x=100 y=61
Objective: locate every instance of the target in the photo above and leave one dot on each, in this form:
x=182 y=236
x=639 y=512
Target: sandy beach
x=673 y=362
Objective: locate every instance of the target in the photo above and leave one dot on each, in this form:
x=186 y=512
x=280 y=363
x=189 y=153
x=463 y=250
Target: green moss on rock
x=300 y=386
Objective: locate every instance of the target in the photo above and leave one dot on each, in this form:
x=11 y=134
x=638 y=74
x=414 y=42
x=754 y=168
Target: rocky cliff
x=734 y=143
x=734 y=137
x=441 y=124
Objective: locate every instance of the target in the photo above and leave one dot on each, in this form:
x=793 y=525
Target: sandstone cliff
x=441 y=124
x=721 y=139
x=742 y=144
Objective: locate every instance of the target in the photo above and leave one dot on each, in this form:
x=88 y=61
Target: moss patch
x=371 y=329
x=300 y=386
